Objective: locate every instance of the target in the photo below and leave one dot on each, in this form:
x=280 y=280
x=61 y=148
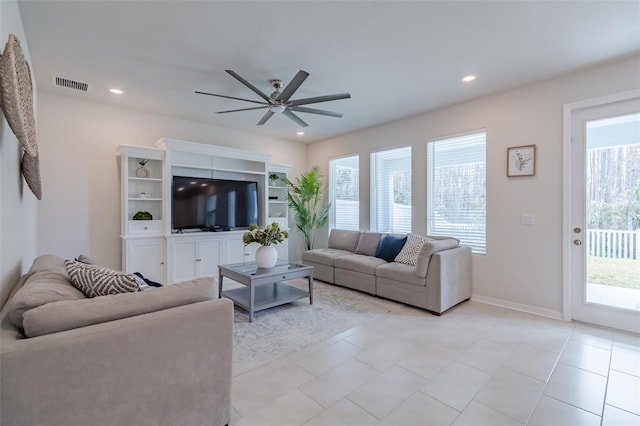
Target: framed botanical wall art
x=521 y=161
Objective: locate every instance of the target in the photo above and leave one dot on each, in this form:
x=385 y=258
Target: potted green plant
x=142 y=215
x=266 y=255
x=273 y=179
x=305 y=198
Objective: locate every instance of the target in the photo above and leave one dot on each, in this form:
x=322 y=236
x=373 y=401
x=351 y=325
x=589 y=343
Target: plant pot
x=266 y=256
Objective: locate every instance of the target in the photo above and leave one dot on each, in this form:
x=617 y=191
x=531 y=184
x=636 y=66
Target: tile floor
x=476 y=365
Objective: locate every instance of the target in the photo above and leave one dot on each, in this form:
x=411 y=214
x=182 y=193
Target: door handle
x=577 y=230
x=577 y=242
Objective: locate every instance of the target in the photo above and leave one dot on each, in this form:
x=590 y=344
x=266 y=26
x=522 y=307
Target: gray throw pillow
x=94 y=280
x=368 y=243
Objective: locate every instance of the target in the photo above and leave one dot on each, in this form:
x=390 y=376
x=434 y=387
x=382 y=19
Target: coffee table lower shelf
x=266 y=296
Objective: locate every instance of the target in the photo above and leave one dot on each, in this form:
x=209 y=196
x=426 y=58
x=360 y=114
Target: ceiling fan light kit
x=279 y=100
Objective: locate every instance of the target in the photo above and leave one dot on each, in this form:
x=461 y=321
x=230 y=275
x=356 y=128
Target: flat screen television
x=212 y=204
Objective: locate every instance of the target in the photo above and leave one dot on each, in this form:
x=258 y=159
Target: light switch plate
x=526 y=219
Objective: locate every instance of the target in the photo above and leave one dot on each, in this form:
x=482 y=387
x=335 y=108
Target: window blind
x=391 y=190
x=456 y=189
x=344 y=193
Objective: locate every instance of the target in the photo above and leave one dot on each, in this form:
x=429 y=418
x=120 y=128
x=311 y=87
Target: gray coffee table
x=263 y=288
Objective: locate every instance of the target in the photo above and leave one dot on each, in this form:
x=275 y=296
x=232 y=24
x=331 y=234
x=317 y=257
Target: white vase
x=266 y=256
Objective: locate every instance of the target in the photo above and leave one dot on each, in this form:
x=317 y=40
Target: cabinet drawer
x=288 y=276
x=145 y=227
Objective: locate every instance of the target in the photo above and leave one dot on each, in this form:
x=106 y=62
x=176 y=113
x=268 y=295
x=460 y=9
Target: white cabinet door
x=183 y=260
x=283 y=250
x=208 y=257
x=195 y=258
x=147 y=257
x=235 y=251
x=250 y=252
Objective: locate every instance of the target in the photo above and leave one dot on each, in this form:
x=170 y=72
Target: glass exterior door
x=606 y=215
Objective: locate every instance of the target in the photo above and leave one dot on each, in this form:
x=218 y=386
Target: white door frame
x=567 y=175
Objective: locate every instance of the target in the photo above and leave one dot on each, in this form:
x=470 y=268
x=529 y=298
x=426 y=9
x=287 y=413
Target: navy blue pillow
x=389 y=247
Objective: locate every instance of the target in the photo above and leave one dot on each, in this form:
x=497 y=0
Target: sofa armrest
x=166 y=367
x=449 y=278
x=428 y=249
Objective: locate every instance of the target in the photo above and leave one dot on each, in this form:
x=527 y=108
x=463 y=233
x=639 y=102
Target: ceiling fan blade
x=265 y=118
x=318 y=99
x=293 y=85
x=230 y=97
x=242 y=109
x=315 y=111
x=250 y=86
x=294 y=118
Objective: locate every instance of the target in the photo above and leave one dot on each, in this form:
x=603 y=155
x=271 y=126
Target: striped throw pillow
x=411 y=250
x=93 y=280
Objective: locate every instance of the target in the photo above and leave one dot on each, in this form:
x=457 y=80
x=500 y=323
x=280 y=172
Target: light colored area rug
x=277 y=331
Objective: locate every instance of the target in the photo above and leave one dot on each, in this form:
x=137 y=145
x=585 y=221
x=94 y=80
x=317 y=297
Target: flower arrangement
x=271 y=234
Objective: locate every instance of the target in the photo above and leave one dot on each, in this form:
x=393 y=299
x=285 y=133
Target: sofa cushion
x=368 y=243
x=46 y=282
x=429 y=248
x=70 y=314
x=51 y=263
x=323 y=256
x=359 y=263
x=411 y=249
x=93 y=280
x=344 y=240
x=400 y=272
x=390 y=246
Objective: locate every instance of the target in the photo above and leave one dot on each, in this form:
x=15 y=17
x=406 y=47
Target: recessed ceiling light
x=116 y=91
x=300 y=133
x=468 y=78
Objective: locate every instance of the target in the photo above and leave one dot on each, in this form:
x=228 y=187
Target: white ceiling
x=396 y=58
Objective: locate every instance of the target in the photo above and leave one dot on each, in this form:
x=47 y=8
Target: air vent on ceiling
x=70 y=84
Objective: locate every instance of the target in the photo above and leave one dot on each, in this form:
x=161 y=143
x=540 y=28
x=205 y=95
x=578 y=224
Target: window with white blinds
x=457 y=189
x=344 y=188
x=391 y=190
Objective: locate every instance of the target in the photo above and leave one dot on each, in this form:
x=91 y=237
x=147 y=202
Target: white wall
x=17 y=204
x=523 y=264
x=81 y=180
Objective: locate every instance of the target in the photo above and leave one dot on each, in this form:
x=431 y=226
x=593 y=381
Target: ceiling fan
x=279 y=101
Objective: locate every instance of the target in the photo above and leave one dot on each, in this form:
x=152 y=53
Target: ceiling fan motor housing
x=277 y=84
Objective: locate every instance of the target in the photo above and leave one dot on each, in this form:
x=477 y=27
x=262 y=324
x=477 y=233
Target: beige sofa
x=440 y=279
x=159 y=357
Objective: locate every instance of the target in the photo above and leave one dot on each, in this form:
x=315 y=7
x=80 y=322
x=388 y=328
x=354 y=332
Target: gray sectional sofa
x=158 y=357
x=439 y=279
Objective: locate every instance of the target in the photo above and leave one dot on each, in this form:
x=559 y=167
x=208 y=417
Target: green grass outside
x=623 y=273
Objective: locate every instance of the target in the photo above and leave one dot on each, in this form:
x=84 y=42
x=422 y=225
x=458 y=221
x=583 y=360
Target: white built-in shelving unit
x=158 y=251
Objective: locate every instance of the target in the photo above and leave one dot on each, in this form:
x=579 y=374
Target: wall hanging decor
x=521 y=161
x=17 y=105
x=142 y=171
x=31 y=173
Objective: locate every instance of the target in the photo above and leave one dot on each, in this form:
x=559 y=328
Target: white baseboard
x=518 y=307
